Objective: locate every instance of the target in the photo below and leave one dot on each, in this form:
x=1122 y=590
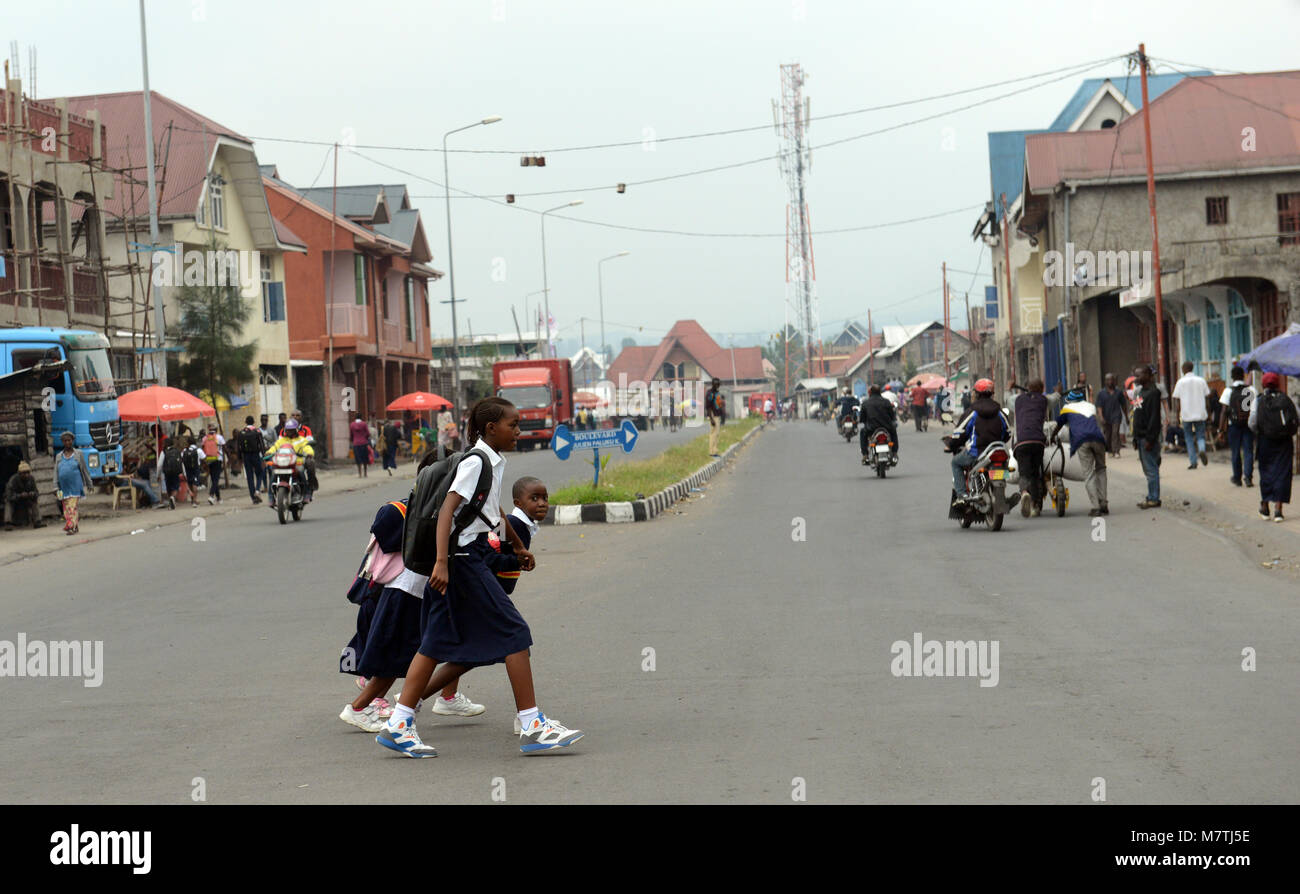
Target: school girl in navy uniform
x=389 y=623
x=471 y=622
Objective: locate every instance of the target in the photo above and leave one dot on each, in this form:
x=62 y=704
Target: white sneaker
x=402 y=738
x=366 y=719
x=544 y=734
x=459 y=706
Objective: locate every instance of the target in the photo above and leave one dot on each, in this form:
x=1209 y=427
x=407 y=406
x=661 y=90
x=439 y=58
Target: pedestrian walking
x=920 y=406
x=392 y=435
x=1031 y=440
x=73 y=477
x=1274 y=419
x=1190 y=393
x=1055 y=400
x=715 y=409
x=1089 y=444
x=213 y=445
x=192 y=463
x=279 y=426
x=251 y=446
x=1236 y=403
x=22 y=498
x=472 y=622
x=172 y=469
x=269 y=436
x=1147 y=431
x=1112 y=408
x=965 y=399
x=360 y=437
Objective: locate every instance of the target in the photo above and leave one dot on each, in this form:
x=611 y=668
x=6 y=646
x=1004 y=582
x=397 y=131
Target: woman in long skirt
x=73 y=479
x=1274 y=454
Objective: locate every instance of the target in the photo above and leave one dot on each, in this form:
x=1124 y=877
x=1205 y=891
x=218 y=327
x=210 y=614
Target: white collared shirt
x=465 y=481
x=523 y=517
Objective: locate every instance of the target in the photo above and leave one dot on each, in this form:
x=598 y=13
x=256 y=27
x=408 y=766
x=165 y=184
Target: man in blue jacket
x=1089 y=442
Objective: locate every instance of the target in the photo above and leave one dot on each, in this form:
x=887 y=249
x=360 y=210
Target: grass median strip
x=623 y=481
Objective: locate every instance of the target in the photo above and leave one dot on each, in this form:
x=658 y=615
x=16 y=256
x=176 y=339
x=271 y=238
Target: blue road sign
x=564 y=441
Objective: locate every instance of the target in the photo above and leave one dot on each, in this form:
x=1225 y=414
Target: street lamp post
x=546 y=291
x=600 y=285
x=451 y=266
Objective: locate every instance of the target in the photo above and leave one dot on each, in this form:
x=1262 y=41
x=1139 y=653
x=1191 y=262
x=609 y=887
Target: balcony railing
x=350 y=319
x=392 y=336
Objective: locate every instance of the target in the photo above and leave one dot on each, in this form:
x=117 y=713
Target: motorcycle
x=849 y=425
x=289 y=488
x=986 y=488
x=881 y=454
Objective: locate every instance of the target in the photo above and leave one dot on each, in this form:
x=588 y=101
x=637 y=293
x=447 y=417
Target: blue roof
x=1130 y=87
x=1007 y=147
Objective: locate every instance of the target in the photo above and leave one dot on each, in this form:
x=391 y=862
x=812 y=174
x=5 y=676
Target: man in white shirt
x=1191 y=392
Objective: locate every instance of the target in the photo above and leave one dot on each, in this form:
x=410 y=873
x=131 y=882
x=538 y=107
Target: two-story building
x=357 y=301
x=209 y=194
x=1226 y=157
x=1039 y=328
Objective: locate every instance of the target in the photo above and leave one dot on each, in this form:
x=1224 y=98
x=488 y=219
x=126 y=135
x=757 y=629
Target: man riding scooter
x=982 y=425
x=877 y=412
x=292 y=435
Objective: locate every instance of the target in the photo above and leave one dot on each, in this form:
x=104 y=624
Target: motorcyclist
x=293 y=436
x=877 y=413
x=985 y=423
x=846 y=405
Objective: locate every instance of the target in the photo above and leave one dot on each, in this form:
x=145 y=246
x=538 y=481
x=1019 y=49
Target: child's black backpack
x=171 y=461
x=1240 y=413
x=190 y=460
x=419 y=534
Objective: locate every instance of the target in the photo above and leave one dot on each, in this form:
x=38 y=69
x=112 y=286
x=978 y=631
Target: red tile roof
x=642 y=363
x=186 y=149
x=1196 y=125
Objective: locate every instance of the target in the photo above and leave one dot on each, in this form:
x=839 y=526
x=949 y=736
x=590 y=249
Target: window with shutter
x=410 y=309
x=1288 y=218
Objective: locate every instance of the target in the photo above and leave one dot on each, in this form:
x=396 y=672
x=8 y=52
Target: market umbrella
x=420 y=402
x=1279 y=355
x=158 y=403
x=587 y=399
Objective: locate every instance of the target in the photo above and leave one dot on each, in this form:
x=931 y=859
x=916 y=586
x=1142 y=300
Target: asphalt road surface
x=1119 y=659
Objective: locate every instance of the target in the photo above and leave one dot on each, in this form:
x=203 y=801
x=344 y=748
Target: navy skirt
x=352 y=651
x=394 y=635
x=475 y=623
x=1274 y=458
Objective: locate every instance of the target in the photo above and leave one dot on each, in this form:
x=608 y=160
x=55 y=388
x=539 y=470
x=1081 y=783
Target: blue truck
x=83 y=399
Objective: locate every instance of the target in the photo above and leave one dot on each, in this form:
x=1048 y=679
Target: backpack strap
x=476 y=503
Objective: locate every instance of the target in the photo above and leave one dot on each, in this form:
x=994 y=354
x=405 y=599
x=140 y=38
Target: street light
x=546 y=291
x=451 y=267
x=600 y=285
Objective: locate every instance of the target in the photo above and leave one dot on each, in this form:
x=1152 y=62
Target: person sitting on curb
x=21 y=498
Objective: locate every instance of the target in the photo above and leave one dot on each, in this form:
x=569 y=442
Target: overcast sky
x=566 y=74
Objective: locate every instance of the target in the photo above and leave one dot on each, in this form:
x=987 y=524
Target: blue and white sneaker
x=401 y=737
x=544 y=734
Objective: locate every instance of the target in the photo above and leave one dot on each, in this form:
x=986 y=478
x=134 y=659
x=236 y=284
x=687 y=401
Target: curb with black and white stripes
x=648 y=508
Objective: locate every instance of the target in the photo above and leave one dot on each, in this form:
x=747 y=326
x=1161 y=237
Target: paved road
x=1119 y=659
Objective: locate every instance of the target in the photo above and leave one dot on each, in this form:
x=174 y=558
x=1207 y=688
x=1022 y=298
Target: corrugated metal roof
x=352 y=201
x=187 y=149
x=1195 y=126
x=1007 y=147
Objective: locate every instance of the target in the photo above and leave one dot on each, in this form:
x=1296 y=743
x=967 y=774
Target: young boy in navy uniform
x=531 y=503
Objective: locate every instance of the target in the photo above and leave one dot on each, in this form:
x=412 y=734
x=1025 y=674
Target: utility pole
x=1011 y=312
x=871 y=351
x=329 y=312
x=160 y=356
x=1155 y=227
x=945 y=319
x=795 y=160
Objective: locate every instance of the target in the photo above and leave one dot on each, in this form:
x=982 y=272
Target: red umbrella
x=587 y=399
x=420 y=401
x=159 y=403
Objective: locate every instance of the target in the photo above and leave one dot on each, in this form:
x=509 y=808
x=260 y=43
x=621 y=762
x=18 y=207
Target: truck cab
x=542 y=391
x=83 y=399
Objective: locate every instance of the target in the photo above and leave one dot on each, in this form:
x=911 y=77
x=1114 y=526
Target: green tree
x=212 y=320
x=909 y=370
